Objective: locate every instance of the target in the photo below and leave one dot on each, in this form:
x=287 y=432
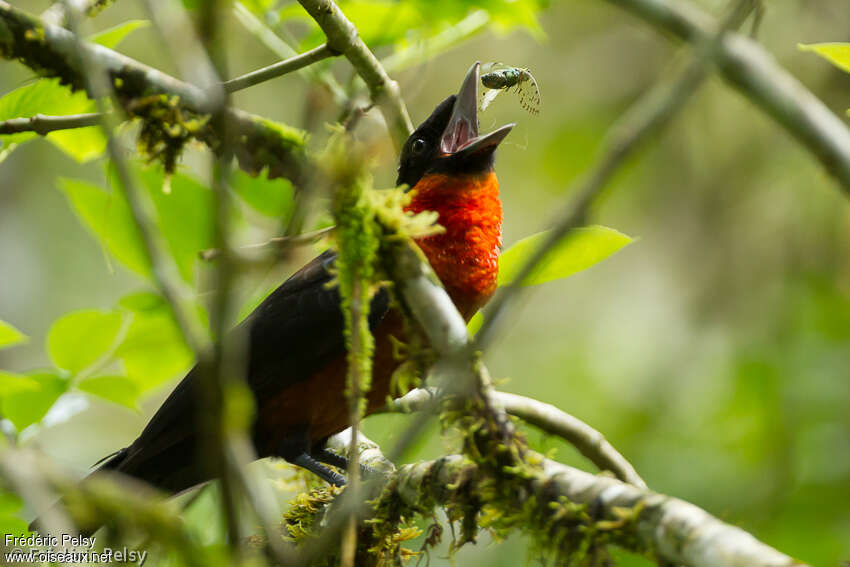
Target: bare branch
x=43 y=125
x=284 y=50
x=752 y=70
x=426 y=50
x=194 y=64
x=587 y=440
x=271 y=248
x=343 y=38
x=279 y=69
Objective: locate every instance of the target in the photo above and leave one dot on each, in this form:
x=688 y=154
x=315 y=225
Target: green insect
x=501 y=77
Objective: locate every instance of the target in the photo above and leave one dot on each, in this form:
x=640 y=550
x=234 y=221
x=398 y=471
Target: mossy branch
x=124 y=505
x=587 y=440
x=171 y=110
x=583 y=513
x=357 y=242
x=571 y=513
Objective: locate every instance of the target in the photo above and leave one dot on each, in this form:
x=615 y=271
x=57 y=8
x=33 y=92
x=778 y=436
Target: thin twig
x=651 y=113
x=354 y=393
x=271 y=248
x=163 y=271
x=231 y=445
x=285 y=50
x=202 y=59
x=430 y=48
x=261 y=143
x=343 y=38
x=177 y=32
x=42 y=124
x=125 y=503
x=748 y=67
x=279 y=69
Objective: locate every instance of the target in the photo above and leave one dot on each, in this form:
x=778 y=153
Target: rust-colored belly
x=319 y=403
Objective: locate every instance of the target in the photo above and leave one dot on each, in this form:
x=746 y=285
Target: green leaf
x=25 y=407
x=11 y=515
x=380 y=22
x=78 y=339
x=154 y=350
x=581 y=249
x=273 y=198
x=475 y=323
x=48 y=97
x=185 y=216
x=11 y=383
x=117 y=389
x=142 y=301
x=836 y=53
x=416 y=22
x=108 y=216
x=111 y=37
x=9 y=335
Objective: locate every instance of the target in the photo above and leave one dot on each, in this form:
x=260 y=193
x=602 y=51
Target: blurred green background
x=713 y=351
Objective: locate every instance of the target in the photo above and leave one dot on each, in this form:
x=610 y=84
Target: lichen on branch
x=172 y=112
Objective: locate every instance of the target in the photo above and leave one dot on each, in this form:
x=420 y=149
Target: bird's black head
x=448 y=140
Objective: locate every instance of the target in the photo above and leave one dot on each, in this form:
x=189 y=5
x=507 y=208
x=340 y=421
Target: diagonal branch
x=284 y=50
x=748 y=67
x=659 y=526
x=587 y=440
x=278 y=69
x=343 y=38
x=271 y=249
x=51 y=50
x=646 y=117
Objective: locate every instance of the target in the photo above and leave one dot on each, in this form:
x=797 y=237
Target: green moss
x=166 y=128
x=264 y=143
x=167 y=124
x=22 y=38
x=7 y=38
x=379 y=543
x=358 y=240
x=306 y=511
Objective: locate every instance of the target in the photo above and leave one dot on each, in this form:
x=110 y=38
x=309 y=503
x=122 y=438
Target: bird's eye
x=418 y=146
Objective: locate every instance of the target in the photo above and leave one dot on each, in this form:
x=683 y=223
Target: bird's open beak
x=461 y=135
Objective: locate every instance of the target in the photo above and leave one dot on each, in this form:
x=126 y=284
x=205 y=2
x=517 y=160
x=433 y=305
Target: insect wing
x=487 y=97
x=529 y=94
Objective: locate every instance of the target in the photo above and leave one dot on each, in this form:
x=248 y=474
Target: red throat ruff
x=465 y=256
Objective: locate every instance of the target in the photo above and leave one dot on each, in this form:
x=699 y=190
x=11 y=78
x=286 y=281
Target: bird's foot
x=329 y=457
x=308 y=462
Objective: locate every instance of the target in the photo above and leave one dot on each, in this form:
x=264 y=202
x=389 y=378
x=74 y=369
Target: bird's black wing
x=292 y=334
